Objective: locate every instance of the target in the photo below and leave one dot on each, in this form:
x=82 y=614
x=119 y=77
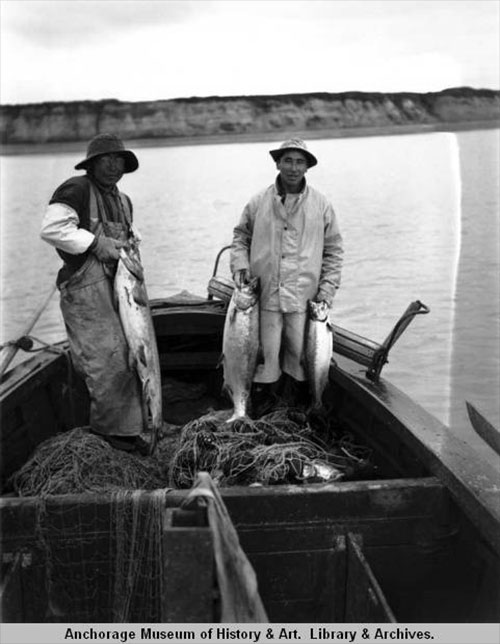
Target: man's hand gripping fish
x=137 y=323
x=240 y=345
x=318 y=349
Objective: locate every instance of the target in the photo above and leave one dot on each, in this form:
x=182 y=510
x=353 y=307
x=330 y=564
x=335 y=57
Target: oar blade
x=488 y=432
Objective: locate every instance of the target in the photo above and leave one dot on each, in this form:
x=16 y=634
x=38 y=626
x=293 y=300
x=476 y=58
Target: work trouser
x=100 y=352
x=282 y=344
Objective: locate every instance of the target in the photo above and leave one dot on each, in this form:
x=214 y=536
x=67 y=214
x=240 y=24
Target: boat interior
x=393 y=546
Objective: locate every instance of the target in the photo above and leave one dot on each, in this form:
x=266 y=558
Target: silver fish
x=318 y=349
x=321 y=471
x=240 y=345
x=137 y=323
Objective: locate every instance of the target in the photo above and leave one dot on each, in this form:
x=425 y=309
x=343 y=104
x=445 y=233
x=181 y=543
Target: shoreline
x=12 y=149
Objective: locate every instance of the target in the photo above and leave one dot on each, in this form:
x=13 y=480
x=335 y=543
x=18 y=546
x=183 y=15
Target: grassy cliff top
x=295 y=98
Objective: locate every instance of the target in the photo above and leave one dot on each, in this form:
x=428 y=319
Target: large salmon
x=318 y=349
x=240 y=345
x=137 y=323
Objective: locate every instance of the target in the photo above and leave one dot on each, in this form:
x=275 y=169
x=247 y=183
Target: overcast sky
x=65 y=50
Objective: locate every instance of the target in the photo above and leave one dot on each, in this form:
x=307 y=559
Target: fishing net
x=99 y=557
x=279 y=447
x=78 y=461
x=99 y=560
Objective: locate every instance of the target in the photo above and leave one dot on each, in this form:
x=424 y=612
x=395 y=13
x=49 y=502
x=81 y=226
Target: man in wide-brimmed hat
x=88 y=220
x=288 y=237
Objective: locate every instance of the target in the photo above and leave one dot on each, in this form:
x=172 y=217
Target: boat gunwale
x=177 y=496
x=471 y=481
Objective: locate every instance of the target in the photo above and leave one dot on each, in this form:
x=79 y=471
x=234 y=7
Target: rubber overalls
x=98 y=346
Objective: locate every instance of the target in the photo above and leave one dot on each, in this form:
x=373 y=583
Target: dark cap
x=108 y=144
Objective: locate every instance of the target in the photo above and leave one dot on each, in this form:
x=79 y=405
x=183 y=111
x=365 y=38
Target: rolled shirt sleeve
x=60 y=228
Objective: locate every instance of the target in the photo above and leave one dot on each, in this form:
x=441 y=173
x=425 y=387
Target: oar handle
x=10 y=351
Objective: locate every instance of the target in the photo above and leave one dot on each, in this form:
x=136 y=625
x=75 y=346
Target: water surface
x=419 y=216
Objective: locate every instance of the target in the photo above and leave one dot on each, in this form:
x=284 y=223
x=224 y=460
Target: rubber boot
x=302 y=394
x=263 y=398
x=295 y=393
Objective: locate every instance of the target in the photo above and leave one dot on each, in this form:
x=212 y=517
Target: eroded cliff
x=244 y=115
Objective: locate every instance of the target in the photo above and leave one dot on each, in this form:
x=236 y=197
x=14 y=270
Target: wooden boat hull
x=418 y=543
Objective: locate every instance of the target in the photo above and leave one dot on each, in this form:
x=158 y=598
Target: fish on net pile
x=284 y=446
x=278 y=448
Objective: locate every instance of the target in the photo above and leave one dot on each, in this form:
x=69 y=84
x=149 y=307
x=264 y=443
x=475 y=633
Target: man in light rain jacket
x=88 y=220
x=288 y=236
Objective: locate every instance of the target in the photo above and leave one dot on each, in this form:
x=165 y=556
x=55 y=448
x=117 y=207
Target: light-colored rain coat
x=297 y=256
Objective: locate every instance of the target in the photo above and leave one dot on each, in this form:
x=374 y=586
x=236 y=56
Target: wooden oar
x=488 y=432
x=10 y=350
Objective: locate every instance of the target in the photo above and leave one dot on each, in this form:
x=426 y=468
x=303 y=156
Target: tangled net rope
x=280 y=447
x=77 y=461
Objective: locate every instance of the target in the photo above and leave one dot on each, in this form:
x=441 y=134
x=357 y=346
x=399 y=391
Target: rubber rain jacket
x=297 y=256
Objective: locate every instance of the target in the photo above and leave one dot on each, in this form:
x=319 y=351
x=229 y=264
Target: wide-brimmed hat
x=294 y=144
x=108 y=144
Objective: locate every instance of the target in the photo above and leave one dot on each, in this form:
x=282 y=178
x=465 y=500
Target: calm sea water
x=420 y=219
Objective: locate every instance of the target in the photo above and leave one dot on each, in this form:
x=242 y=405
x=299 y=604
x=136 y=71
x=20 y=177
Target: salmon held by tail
x=137 y=323
x=240 y=345
x=318 y=349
